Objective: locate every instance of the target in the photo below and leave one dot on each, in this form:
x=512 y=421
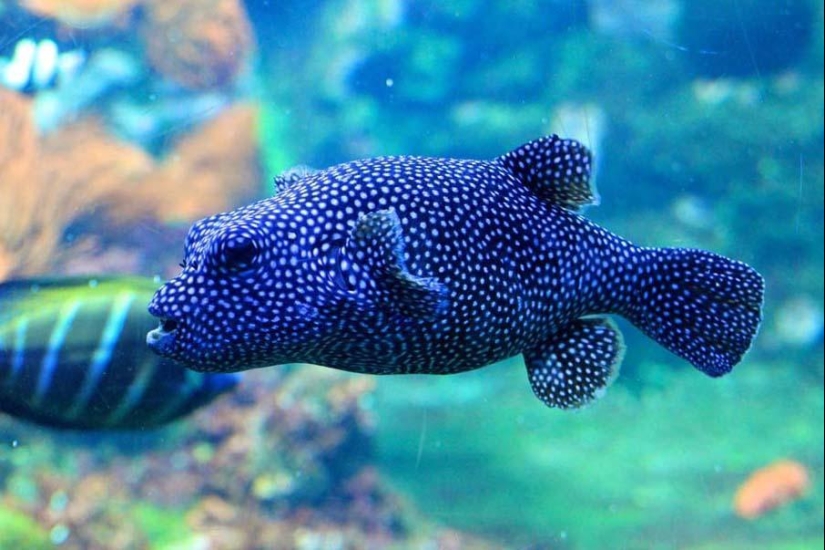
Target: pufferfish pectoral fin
x=577 y=364
x=557 y=170
x=377 y=244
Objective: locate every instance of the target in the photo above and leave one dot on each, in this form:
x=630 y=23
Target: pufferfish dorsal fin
x=289 y=177
x=557 y=170
x=376 y=246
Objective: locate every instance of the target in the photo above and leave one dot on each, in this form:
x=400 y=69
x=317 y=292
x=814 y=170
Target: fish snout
x=161 y=340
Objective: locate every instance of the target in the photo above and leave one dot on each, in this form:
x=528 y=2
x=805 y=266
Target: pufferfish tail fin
x=701 y=306
x=557 y=170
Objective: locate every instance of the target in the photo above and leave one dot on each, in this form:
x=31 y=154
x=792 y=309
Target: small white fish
x=35 y=66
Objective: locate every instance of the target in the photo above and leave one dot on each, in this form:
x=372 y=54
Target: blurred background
x=123 y=121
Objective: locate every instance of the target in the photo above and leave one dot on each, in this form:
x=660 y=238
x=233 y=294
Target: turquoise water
x=706 y=121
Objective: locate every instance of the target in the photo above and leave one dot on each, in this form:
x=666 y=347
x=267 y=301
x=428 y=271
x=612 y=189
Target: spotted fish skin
x=72 y=355
x=429 y=265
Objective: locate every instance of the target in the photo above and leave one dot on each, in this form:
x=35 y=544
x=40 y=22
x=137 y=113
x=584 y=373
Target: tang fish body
x=431 y=265
x=73 y=355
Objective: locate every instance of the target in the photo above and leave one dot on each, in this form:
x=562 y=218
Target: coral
x=209 y=171
x=770 y=487
x=17 y=170
x=81 y=13
x=200 y=44
x=87 y=513
x=79 y=176
x=286 y=461
x=49 y=183
x=86 y=166
x=272 y=427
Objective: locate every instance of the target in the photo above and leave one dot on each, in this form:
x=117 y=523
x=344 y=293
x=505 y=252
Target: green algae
x=164 y=528
x=18 y=531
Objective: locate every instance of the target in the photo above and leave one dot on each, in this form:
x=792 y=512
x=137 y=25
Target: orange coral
x=199 y=43
x=86 y=166
x=769 y=487
x=81 y=13
x=46 y=184
x=208 y=172
x=17 y=169
x=80 y=171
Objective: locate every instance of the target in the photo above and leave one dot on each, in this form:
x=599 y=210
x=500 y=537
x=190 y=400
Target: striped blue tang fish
x=438 y=265
x=73 y=355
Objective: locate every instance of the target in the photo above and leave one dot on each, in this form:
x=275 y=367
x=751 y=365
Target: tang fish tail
x=9 y=292
x=701 y=306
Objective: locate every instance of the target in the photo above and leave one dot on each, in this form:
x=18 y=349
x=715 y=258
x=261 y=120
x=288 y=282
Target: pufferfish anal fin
x=557 y=170
x=376 y=244
x=577 y=364
x=291 y=176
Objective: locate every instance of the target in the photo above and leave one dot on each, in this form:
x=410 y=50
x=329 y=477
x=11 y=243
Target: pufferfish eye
x=236 y=253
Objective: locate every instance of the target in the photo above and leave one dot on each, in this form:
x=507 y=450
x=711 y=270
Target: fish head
x=243 y=298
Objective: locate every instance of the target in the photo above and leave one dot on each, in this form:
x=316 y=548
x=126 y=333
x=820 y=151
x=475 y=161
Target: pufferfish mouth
x=168 y=325
x=161 y=340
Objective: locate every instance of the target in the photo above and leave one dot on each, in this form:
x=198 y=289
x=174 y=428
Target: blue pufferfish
x=434 y=265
